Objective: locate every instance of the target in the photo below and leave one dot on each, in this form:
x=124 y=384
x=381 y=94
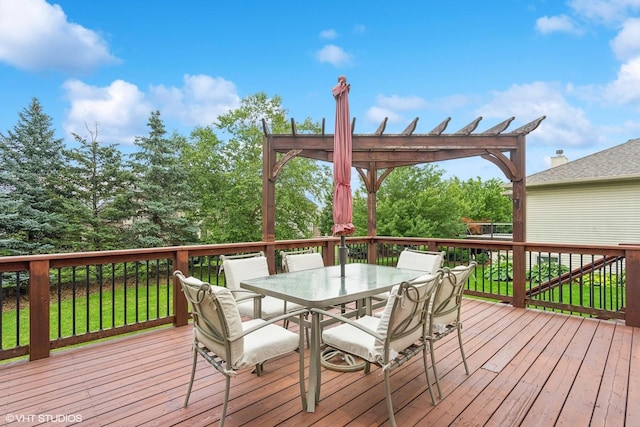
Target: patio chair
x=389 y=340
x=250 y=266
x=304 y=259
x=444 y=312
x=228 y=343
x=413 y=259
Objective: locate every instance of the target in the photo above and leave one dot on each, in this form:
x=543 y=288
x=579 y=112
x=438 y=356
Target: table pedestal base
x=336 y=360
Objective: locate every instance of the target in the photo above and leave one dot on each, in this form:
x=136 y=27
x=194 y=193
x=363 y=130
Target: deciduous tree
x=227 y=173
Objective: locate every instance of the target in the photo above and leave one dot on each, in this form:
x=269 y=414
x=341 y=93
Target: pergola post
x=269 y=198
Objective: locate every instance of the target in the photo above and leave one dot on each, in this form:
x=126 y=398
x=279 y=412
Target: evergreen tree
x=161 y=195
x=94 y=179
x=32 y=217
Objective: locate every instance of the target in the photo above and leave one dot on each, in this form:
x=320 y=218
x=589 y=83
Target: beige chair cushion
x=401 y=312
x=237 y=270
x=410 y=260
x=299 y=262
x=352 y=340
x=450 y=313
x=420 y=261
x=265 y=343
x=230 y=312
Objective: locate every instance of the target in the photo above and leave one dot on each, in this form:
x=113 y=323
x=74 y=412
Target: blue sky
x=113 y=62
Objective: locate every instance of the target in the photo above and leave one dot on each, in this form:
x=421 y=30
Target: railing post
x=519 y=275
x=632 y=274
x=270 y=254
x=330 y=259
x=372 y=252
x=180 y=305
x=39 y=329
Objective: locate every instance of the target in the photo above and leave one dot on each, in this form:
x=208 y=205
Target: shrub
x=501 y=270
x=545 y=271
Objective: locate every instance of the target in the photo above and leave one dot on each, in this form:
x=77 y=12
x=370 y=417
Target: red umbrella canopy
x=342 y=200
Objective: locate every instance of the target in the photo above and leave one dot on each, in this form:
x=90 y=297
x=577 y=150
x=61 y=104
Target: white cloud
x=122 y=110
x=564 y=123
x=451 y=103
x=625 y=89
x=377 y=115
x=395 y=102
x=333 y=55
x=391 y=106
x=200 y=101
x=37 y=36
x=626 y=44
x=606 y=11
x=559 y=23
x=328 y=34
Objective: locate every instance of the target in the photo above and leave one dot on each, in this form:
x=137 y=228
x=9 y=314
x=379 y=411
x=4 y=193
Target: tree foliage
x=93 y=180
x=161 y=194
x=32 y=218
x=413 y=201
x=205 y=188
x=485 y=200
x=228 y=176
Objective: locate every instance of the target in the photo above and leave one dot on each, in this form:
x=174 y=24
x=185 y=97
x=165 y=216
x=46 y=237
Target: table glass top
x=321 y=287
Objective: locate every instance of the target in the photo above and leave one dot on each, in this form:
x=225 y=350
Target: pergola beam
x=376 y=155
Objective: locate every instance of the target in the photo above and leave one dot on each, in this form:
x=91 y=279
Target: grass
x=91 y=313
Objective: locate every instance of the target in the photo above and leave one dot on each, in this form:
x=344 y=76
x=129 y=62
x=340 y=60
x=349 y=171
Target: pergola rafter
x=376 y=155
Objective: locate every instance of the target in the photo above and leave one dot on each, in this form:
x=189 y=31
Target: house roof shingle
x=621 y=161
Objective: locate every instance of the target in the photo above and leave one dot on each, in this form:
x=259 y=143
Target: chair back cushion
x=216 y=318
x=404 y=315
x=430 y=262
x=298 y=262
x=448 y=296
x=237 y=270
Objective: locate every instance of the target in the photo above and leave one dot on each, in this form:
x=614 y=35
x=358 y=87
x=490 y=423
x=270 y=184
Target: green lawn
x=152 y=302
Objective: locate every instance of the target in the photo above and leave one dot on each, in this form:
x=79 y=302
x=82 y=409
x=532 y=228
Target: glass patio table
x=323 y=287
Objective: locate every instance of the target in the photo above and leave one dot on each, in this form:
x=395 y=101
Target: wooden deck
x=527 y=368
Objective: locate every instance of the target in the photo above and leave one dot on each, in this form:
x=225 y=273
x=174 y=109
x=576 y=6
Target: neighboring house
x=592 y=200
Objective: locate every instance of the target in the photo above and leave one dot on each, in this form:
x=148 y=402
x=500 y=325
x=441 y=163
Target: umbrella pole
x=342 y=255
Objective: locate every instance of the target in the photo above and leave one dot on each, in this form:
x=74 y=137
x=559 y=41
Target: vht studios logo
x=43 y=418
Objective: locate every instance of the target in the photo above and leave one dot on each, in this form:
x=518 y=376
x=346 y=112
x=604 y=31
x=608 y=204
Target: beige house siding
x=596 y=212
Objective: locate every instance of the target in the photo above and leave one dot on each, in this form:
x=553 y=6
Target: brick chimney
x=558 y=159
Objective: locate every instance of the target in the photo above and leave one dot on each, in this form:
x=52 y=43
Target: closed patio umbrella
x=342 y=199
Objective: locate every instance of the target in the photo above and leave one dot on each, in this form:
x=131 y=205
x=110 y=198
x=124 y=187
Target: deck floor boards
x=526 y=367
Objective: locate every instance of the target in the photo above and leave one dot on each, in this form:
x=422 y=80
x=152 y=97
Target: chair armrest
x=243 y=295
x=298 y=313
x=350 y=322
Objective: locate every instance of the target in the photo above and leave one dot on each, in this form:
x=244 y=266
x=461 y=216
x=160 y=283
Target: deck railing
x=59 y=300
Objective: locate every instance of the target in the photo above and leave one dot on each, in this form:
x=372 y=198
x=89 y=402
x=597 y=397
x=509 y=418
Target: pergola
x=376 y=155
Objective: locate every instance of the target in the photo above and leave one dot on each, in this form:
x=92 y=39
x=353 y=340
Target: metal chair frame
x=217 y=331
